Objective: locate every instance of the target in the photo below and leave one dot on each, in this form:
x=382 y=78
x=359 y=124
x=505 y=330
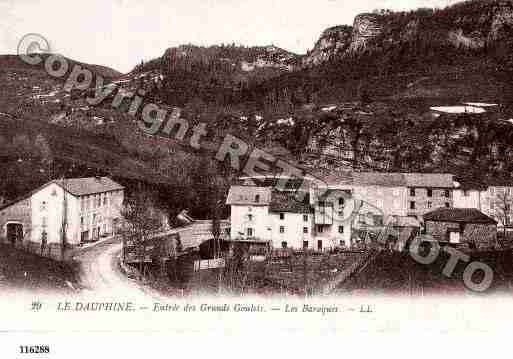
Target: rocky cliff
x=467 y=25
x=334 y=41
x=366 y=27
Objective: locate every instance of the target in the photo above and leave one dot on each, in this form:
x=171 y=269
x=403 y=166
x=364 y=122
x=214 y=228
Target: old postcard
x=210 y=169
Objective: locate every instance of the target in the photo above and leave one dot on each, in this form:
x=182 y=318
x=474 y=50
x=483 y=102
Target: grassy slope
x=21 y=270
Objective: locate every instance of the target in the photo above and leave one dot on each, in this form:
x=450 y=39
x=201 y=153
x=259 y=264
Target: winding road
x=100 y=273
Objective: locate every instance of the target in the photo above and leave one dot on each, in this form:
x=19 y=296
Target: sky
x=121 y=33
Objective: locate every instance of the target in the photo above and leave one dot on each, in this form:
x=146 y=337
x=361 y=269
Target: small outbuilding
x=462 y=226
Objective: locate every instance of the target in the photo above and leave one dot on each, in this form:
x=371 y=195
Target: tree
x=44 y=151
x=142 y=220
x=502 y=207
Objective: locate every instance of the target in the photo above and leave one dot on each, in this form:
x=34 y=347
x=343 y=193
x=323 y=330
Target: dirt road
x=100 y=274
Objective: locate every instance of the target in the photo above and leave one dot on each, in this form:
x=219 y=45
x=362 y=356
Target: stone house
x=462 y=227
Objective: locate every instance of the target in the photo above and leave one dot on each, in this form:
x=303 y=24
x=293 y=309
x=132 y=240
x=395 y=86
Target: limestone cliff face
x=468 y=25
x=366 y=28
x=474 y=40
x=334 y=41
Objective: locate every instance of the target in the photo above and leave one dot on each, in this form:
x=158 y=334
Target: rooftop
x=287 y=202
x=462 y=215
x=379 y=179
x=437 y=180
x=88 y=185
x=249 y=195
x=76 y=186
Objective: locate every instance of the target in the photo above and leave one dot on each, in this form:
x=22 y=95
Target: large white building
x=332 y=213
x=62 y=214
x=287 y=221
x=361 y=200
x=495 y=199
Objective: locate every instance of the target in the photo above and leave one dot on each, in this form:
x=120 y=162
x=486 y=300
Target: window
x=282 y=229
x=429 y=205
x=81 y=221
x=43 y=206
x=341 y=201
x=447 y=205
x=412 y=192
x=454 y=237
x=322 y=204
x=465 y=193
x=412 y=205
x=340 y=229
x=249 y=232
x=305 y=217
x=305 y=230
x=320 y=228
x=283 y=244
x=429 y=192
x=319 y=245
x=257 y=198
x=250 y=217
x=94 y=219
x=99 y=200
x=447 y=193
x=282 y=216
x=341 y=214
x=305 y=244
x=105 y=199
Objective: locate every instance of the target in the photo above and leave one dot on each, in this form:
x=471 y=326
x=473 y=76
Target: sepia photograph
x=324 y=168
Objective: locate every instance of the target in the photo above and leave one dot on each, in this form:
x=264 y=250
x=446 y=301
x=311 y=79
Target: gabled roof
x=76 y=187
x=464 y=183
x=88 y=185
x=461 y=215
x=379 y=179
x=436 y=180
x=247 y=195
x=287 y=202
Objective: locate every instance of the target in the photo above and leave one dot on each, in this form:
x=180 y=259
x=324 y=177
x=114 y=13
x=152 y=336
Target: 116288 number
x=34 y=349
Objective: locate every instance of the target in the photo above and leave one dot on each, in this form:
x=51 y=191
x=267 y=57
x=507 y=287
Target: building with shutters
x=62 y=214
